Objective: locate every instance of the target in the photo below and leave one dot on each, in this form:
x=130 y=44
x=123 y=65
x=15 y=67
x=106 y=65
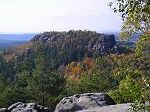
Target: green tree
x=143 y=45
x=135 y=13
x=135 y=86
x=23 y=79
x=45 y=86
x=93 y=83
x=3 y=83
x=25 y=62
x=6 y=69
x=13 y=94
x=129 y=89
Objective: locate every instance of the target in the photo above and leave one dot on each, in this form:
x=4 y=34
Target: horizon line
x=18 y=33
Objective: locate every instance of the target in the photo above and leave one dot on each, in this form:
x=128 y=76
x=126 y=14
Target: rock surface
x=82 y=102
x=88 y=102
x=110 y=108
x=25 y=107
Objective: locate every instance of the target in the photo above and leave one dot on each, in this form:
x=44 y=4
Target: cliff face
x=89 y=40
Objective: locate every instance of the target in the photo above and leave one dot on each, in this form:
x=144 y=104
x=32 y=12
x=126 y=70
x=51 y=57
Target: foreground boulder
x=25 y=107
x=111 y=108
x=82 y=102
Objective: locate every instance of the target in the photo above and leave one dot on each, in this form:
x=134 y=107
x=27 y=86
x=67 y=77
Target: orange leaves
x=74 y=70
x=148 y=33
x=88 y=62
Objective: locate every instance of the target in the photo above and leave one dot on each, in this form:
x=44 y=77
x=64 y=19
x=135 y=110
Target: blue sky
x=26 y=16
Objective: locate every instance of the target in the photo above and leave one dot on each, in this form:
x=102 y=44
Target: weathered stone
x=18 y=110
x=24 y=110
x=21 y=106
x=31 y=105
x=4 y=110
x=14 y=105
x=84 y=101
x=29 y=110
x=110 y=108
x=26 y=107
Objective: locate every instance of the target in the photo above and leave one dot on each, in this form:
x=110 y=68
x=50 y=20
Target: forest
x=54 y=65
x=58 y=64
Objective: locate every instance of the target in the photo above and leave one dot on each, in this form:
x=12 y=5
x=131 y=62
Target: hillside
x=65 y=47
x=76 y=39
x=53 y=65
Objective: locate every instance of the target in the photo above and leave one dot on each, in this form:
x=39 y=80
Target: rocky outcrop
x=88 y=102
x=82 y=102
x=89 y=40
x=25 y=107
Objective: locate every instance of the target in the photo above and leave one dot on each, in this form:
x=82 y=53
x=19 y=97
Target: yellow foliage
x=76 y=70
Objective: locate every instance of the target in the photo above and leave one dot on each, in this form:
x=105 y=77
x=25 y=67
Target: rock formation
x=25 y=107
x=92 y=41
x=88 y=102
x=82 y=102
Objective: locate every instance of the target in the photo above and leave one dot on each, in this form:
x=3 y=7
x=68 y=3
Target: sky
x=28 y=16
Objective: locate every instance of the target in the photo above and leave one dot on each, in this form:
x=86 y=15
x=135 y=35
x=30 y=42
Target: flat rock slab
x=111 y=108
